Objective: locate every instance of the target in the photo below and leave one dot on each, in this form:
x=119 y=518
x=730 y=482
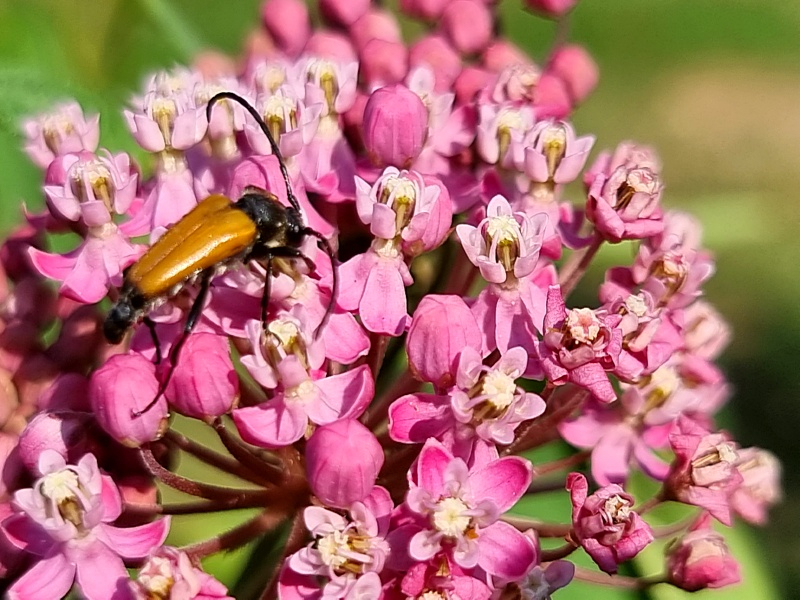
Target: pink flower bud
x=551 y=8
x=468 y=25
x=375 y=24
x=204 y=383
x=343 y=12
x=701 y=559
x=423 y=9
x=330 y=45
x=435 y=52
x=469 y=82
x=395 y=126
x=383 y=63
x=501 y=54
x=441 y=328
x=287 y=22
x=343 y=460
x=577 y=69
x=65 y=432
x=125 y=384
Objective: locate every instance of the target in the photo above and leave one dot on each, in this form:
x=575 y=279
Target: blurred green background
x=714 y=85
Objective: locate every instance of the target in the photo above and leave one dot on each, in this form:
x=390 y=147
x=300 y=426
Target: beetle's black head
x=120 y=318
x=279 y=224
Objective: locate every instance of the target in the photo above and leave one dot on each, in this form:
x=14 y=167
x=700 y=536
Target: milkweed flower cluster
x=390 y=438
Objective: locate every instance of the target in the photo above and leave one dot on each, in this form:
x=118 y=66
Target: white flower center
x=449 y=517
x=643 y=180
x=500 y=389
x=431 y=595
x=503 y=228
x=60 y=486
x=285 y=332
x=334 y=548
x=617 y=509
x=157 y=577
x=636 y=305
x=583 y=325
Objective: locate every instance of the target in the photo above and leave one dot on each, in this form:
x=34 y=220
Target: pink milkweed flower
x=329 y=45
x=347 y=552
x=488 y=398
x=284 y=419
x=166 y=117
x=761 y=484
x=701 y=559
x=204 y=382
x=291 y=120
x=82 y=182
x=337 y=80
x=705 y=332
x=579 y=345
x=169 y=573
x=540 y=583
x=467 y=24
x=127 y=383
x=604 y=524
x=459 y=507
x=704 y=471
x=627 y=154
x=405 y=208
x=227 y=118
x=395 y=126
x=287 y=23
x=442 y=578
x=619 y=438
x=61 y=431
x=553 y=153
x=343 y=460
x=64 y=519
x=625 y=205
x=501 y=129
x=63 y=130
x=505 y=247
x=485 y=404
x=87 y=272
x=441 y=328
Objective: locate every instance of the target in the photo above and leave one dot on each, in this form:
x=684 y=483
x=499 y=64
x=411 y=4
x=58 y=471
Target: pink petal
x=343 y=396
x=48 y=579
x=136 y=542
x=502 y=481
x=431 y=464
x=112 y=502
x=505 y=552
x=416 y=417
x=383 y=306
x=101 y=575
x=271 y=425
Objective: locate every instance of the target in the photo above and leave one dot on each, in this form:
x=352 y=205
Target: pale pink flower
x=554 y=153
x=61 y=131
x=169 y=573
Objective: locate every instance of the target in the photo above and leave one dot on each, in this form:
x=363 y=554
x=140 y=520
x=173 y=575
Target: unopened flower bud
x=701 y=559
x=124 y=385
x=287 y=22
x=343 y=460
x=441 y=328
x=383 y=63
x=551 y=8
x=343 y=12
x=577 y=69
x=204 y=382
x=436 y=53
x=395 y=126
x=375 y=24
x=468 y=25
x=64 y=432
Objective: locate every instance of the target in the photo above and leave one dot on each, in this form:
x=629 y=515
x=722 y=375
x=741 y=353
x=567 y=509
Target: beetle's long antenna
x=273 y=144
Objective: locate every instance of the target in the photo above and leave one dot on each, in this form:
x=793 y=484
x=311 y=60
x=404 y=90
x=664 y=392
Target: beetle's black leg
x=278 y=252
x=151 y=326
x=175 y=351
x=326 y=245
